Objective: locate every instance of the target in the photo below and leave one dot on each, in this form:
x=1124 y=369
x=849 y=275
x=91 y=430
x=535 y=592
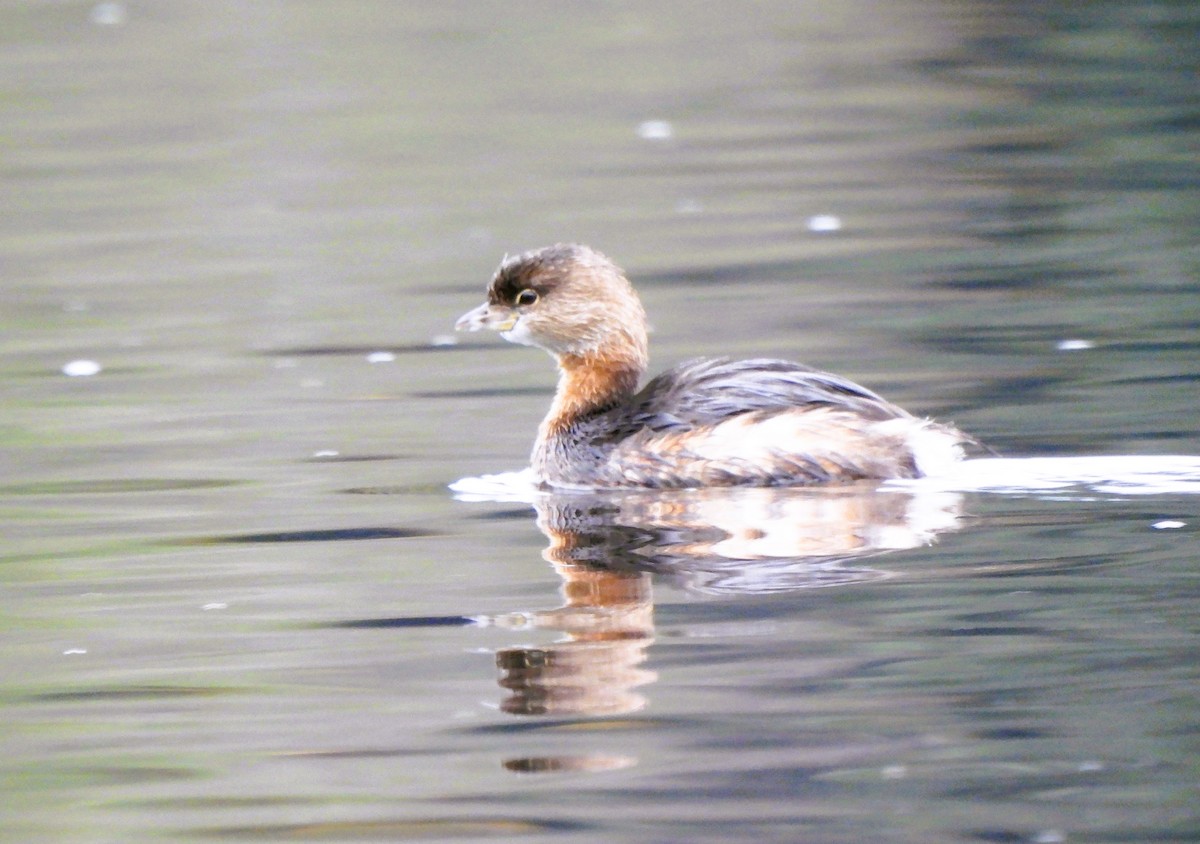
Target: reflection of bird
x=605 y=545
x=743 y=540
x=608 y=622
x=705 y=423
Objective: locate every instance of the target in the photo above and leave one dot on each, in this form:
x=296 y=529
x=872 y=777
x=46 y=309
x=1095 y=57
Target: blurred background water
x=235 y=583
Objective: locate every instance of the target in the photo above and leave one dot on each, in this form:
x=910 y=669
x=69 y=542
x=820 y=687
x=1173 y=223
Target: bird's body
x=708 y=422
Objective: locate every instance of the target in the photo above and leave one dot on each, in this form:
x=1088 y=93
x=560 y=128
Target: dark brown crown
x=541 y=270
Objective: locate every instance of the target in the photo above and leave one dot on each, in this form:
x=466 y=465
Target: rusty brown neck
x=589 y=383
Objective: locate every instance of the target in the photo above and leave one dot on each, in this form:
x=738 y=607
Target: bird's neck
x=589 y=383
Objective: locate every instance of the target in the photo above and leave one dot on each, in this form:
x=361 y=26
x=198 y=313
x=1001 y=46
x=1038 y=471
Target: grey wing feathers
x=706 y=391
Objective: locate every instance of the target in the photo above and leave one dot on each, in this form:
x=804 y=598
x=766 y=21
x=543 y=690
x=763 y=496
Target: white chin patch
x=518 y=334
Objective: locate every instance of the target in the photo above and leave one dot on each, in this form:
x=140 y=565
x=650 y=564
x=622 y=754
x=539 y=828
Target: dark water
x=240 y=601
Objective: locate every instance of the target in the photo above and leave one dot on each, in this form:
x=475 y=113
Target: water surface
x=241 y=602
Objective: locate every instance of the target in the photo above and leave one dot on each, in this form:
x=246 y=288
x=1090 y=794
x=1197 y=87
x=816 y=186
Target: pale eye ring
x=525 y=298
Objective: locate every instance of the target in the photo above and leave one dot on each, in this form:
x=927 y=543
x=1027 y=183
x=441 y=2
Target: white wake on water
x=1058 y=477
x=1086 y=477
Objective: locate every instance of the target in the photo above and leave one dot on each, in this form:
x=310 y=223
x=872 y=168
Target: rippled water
x=241 y=602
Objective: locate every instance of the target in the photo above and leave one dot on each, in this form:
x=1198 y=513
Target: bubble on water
x=824 y=223
x=109 y=14
x=81 y=368
x=1074 y=345
x=1049 y=836
x=655 y=130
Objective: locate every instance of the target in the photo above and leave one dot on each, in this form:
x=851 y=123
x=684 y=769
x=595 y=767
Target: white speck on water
x=74 y=651
x=1049 y=836
x=894 y=772
x=1090 y=765
x=380 y=357
x=81 y=368
x=108 y=14
x=325 y=453
x=654 y=130
x=1168 y=524
x=215 y=605
x=824 y=223
x=688 y=206
x=1074 y=345
x=443 y=340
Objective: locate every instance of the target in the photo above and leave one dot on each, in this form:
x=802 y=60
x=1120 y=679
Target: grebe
x=709 y=422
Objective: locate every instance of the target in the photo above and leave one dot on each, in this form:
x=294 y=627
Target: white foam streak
x=1070 y=477
x=1078 y=478
x=515 y=487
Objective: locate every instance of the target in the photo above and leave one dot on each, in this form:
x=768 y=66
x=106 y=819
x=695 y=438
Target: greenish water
x=237 y=588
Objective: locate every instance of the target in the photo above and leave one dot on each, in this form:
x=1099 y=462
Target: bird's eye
x=525 y=297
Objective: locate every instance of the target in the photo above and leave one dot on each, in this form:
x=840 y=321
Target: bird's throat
x=588 y=384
